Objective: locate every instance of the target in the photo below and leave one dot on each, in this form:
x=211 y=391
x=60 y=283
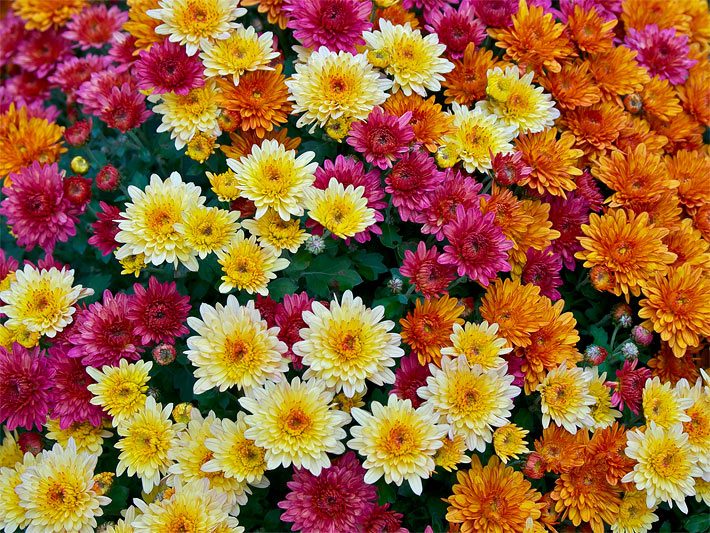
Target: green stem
x=613 y=338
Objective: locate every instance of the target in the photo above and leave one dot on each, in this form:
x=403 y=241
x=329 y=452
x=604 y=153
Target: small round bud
x=246 y=207
x=629 y=350
x=30 y=442
x=595 y=354
x=153 y=392
x=182 y=412
x=395 y=285
x=641 y=335
x=633 y=103
x=621 y=314
x=337 y=129
x=602 y=278
x=103 y=482
x=164 y=354
x=315 y=244
x=78 y=133
x=79 y=165
x=77 y=190
x=108 y=178
x=534 y=468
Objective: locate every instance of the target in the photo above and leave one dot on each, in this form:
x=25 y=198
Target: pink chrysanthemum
x=567 y=216
x=454 y=190
x=35 y=108
x=267 y=307
x=7 y=264
x=47 y=262
x=159 y=312
x=382 y=138
x=36 y=208
x=607 y=9
x=25 y=387
x=166 y=68
x=28 y=86
x=515 y=368
x=70 y=74
x=40 y=52
x=337 y=500
x=122 y=49
x=410 y=182
x=477 y=246
x=456 y=28
x=588 y=189
x=429 y=276
x=91 y=93
x=335 y=24
x=410 y=376
x=95 y=26
x=12 y=33
x=495 y=13
x=72 y=399
x=664 y=53
x=426 y=6
x=542 y=268
x=124 y=108
x=509 y=169
x=383 y=519
x=105 y=228
x=628 y=387
x=288 y=318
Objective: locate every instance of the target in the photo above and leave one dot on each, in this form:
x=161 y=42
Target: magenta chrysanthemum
x=95 y=26
x=91 y=93
x=25 y=387
x=382 y=518
x=39 y=52
x=427 y=6
x=509 y=169
x=382 y=138
x=455 y=190
x=476 y=246
x=166 y=68
x=664 y=53
x=628 y=387
x=337 y=500
x=105 y=228
x=12 y=32
x=456 y=28
x=70 y=74
x=542 y=268
x=410 y=376
x=410 y=182
x=289 y=318
x=425 y=272
x=567 y=216
x=496 y=14
x=7 y=264
x=159 y=312
x=124 y=108
x=121 y=51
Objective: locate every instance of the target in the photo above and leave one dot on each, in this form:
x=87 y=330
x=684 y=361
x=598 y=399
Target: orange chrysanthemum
x=617 y=73
x=141 y=25
x=428 y=120
x=272 y=8
x=596 y=127
x=259 y=102
x=691 y=170
x=511 y=217
x=638 y=131
x=560 y=450
x=669 y=368
x=517 y=308
x=637 y=14
x=534 y=40
x=397 y=15
x=537 y=234
x=428 y=327
x=466 y=84
x=493 y=498
x=553 y=161
x=695 y=94
x=663 y=211
x=682 y=133
x=688 y=244
x=677 y=305
x=607 y=447
x=243 y=142
x=628 y=245
x=589 y=31
x=660 y=100
x=43 y=14
x=701 y=220
x=572 y=86
x=699 y=15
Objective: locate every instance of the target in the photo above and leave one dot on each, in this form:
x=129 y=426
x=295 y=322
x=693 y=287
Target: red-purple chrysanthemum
x=382 y=138
x=78 y=133
x=477 y=246
x=509 y=169
x=495 y=13
x=628 y=387
x=28 y=86
x=35 y=108
x=382 y=519
x=429 y=276
x=40 y=52
x=664 y=53
x=410 y=376
x=607 y=9
x=12 y=33
x=7 y=264
x=92 y=93
x=410 y=182
x=159 y=312
x=95 y=26
x=542 y=268
x=426 y=6
x=166 y=68
x=267 y=307
x=78 y=191
x=456 y=28
x=455 y=190
x=567 y=216
x=105 y=228
x=335 y=24
x=25 y=387
x=515 y=368
x=70 y=74
x=588 y=189
x=336 y=501
x=124 y=108
x=122 y=49
x=36 y=208
x=289 y=318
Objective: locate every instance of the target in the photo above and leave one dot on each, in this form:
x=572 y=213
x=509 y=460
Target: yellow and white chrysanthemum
x=234 y=347
x=517 y=102
x=452 y=453
x=665 y=464
x=663 y=404
x=18 y=333
x=42 y=300
x=208 y=229
x=13 y=516
x=477 y=136
x=196 y=23
x=295 y=423
x=634 y=516
x=702 y=491
x=224 y=185
x=184 y=115
x=472 y=401
x=235 y=455
x=145 y=440
x=274 y=178
x=249 y=266
x=398 y=441
x=566 y=399
x=347 y=344
x=10 y=452
x=57 y=491
x=698 y=426
x=602 y=413
x=332 y=85
x=120 y=390
x=241 y=52
x=123 y=525
x=87 y=437
x=414 y=61
x=480 y=344
x=276 y=232
x=147 y=226
x=509 y=441
x=341 y=210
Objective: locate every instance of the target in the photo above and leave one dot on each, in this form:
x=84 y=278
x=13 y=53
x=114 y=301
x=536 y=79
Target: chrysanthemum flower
x=242 y=51
x=331 y=85
x=145 y=439
x=74 y=71
x=479 y=343
x=408 y=378
x=72 y=398
x=87 y=437
x=670 y=368
x=665 y=465
x=158 y=313
x=509 y=442
x=452 y=453
x=629 y=386
x=566 y=399
x=542 y=268
x=347 y=344
x=398 y=441
x=602 y=413
x=280 y=234
x=120 y=390
x=426 y=329
x=382 y=138
x=273 y=9
x=105 y=229
x=659 y=99
x=25 y=387
x=166 y=68
x=13 y=516
x=663 y=404
x=57 y=491
x=466 y=83
x=456 y=28
x=295 y=423
x=411 y=183
x=560 y=451
x=208 y=229
x=39 y=52
x=428 y=275
x=43 y=15
x=10 y=451
x=664 y=53
x=337 y=25
x=341 y=210
x=493 y=496
x=428 y=121
x=617 y=73
x=234 y=347
x=596 y=127
x=335 y=501
x=693 y=94
x=634 y=516
x=589 y=29
x=690 y=169
x=572 y=86
x=95 y=26
x=699 y=414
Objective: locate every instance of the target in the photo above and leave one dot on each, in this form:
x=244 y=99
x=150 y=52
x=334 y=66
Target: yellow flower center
x=62 y=495
x=399 y=440
x=668 y=463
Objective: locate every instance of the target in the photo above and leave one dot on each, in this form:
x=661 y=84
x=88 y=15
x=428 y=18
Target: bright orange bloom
x=663 y=211
x=242 y=143
x=272 y=8
x=466 y=84
x=511 y=217
x=688 y=244
x=683 y=132
x=427 y=329
x=554 y=161
x=397 y=15
x=428 y=120
x=141 y=25
x=695 y=94
x=638 y=14
x=691 y=170
x=670 y=368
x=534 y=40
x=589 y=31
x=628 y=245
x=43 y=14
x=560 y=450
x=660 y=100
x=572 y=86
x=638 y=131
x=699 y=15
x=607 y=447
x=701 y=220
x=596 y=127
x=493 y=498
x=677 y=306
x=617 y=73
x=538 y=234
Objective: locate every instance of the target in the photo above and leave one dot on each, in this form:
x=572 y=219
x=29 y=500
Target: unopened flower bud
x=534 y=468
x=629 y=350
x=595 y=354
x=315 y=244
x=30 y=442
x=103 y=482
x=602 y=278
x=621 y=314
x=78 y=133
x=164 y=354
x=108 y=178
x=395 y=285
x=641 y=335
x=79 y=165
x=182 y=412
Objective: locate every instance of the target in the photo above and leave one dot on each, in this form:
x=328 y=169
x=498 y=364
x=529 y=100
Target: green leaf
x=524 y=419
x=327 y=274
x=390 y=238
x=119 y=498
x=601 y=337
x=370 y=265
x=281 y=286
x=699 y=523
x=385 y=492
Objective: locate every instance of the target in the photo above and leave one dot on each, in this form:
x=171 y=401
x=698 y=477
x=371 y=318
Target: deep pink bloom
x=40 y=52
x=476 y=246
x=108 y=178
x=382 y=138
x=628 y=388
x=28 y=86
x=106 y=334
x=7 y=264
x=455 y=190
x=267 y=307
x=567 y=216
x=336 y=501
x=105 y=229
x=595 y=354
x=166 y=68
x=456 y=28
x=542 y=268
x=121 y=51
x=426 y=6
x=37 y=209
x=288 y=317
x=94 y=26
x=159 y=312
x=335 y=24
x=429 y=276
x=607 y=9
x=47 y=262
x=78 y=191
x=93 y=92
x=25 y=387
x=78 y=133
x=382 y=519
x=72 y=399
x=71 y=73
x=588 y=189
x=30 y=441
x=664 y=53
x=515 y=368
x=124 y=108
x=641 y=336
x=410 y=182
x=410 y=376
x=495 y=13
x=12 y=33
x=35 y=108
x=509 y=169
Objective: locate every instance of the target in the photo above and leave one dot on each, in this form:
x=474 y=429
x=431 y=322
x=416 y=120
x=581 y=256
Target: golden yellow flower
x=276 y=232
x=120 y=390
x=509 y=441
x=341 y=210
x=43 y=14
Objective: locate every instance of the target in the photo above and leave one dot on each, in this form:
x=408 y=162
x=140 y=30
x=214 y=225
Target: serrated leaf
x=600 y=336
x=327 y=274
